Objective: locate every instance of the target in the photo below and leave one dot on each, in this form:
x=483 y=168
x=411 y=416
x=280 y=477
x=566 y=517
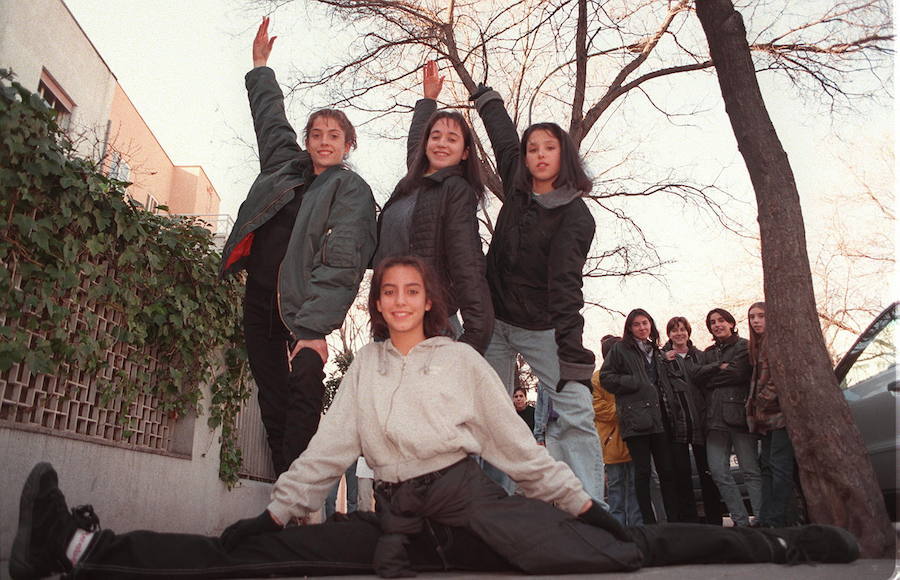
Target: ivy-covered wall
x=71 y=243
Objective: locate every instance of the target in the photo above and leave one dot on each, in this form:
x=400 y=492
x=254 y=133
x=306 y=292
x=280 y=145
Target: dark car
x=868 y=377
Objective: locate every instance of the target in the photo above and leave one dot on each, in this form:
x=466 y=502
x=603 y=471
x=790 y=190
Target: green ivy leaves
x=70 y=240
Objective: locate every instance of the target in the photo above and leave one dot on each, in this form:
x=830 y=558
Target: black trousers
x=641 y=448
x=290 y=396
x=509 y=533
x=684 y=485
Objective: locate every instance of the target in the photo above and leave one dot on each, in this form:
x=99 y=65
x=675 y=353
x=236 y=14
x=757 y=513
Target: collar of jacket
x=387 y=350
x=557 y=198
x=442 y=174
x=727 y=341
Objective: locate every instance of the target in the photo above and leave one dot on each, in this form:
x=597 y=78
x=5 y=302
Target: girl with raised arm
x=305 y=234
x=432 y=212
x=534 y=269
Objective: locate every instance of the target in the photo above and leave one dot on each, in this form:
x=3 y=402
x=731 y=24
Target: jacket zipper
x=325 y=246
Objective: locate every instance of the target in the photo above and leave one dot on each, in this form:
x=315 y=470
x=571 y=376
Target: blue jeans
x=621 y=496
x=777 y=466
x=352 y=493
x=718 y=452
x=572 y=437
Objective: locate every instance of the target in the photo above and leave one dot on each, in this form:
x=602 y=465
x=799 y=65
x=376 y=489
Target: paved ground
x=859 y=570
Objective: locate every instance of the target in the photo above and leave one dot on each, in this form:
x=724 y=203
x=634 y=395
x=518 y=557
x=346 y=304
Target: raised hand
x=262 y=44
x=431 y=82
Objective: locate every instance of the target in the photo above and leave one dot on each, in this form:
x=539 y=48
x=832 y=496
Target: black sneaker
x=45 y=527
x=814 y=543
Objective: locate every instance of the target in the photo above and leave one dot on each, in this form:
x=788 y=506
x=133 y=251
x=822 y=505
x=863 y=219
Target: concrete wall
x=193 y=192
x=151 y=170
x=38 y=34
x=129 y=489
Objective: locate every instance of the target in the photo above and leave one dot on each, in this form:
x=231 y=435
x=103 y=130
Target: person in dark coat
x=305 y=234
x=534 y=269
x=688 y=427
x=526 y=411
x=724 y=374
x=634 y=372
x=765 y=417
x=432 y=212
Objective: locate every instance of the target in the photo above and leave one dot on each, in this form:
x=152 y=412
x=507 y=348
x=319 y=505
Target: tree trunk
x=837 y=477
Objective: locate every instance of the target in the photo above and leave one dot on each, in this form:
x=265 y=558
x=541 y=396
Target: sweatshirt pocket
x=637 y=416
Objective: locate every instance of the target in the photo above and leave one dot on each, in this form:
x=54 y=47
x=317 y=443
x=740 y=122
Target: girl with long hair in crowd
x=725 y=375
x=432 y=211
x=620 y=486
x=417 y=405
x=534 y=269
x=688 y=436
x=764 y=416
x=634 y=372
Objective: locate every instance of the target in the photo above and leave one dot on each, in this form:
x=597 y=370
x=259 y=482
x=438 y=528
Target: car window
x=878 y=356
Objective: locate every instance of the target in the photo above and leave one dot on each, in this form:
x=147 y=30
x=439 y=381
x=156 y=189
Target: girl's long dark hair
x=571 y=169
x=628 y=336
x=471 y=165
x=435 y=319
x=756 y=340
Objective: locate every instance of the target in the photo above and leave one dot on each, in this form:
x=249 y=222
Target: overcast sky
x=182 y=64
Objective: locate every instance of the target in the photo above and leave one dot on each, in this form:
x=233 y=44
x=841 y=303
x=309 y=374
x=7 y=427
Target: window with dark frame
x=56 y=98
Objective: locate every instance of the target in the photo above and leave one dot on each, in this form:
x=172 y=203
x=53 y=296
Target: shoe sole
x=19 y=569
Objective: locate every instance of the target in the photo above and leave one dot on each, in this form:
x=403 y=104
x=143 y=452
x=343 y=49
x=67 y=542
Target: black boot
x=813 y=543
x=45 y=527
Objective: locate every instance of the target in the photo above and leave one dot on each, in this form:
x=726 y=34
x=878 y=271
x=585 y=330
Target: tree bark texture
x=837 y=478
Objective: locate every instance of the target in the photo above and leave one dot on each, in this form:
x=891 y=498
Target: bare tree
x=854 y=263
x=838 y=479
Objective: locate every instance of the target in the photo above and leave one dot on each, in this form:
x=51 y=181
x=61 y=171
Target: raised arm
x=275 y=138
x=432 y=84
x=501 y=131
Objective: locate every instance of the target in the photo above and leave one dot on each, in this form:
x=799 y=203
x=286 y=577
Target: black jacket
x=726 y=390
x=688 y=419
x=538 y=251
x=638 y=397
x=445 y=234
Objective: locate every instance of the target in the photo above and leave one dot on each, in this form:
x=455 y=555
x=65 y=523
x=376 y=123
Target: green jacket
x=334 y=234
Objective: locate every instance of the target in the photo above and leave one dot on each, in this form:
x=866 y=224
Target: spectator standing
x=725 y=375
x=634 y=373
x=688 y=432
x=764 y=416
x=620 y=496
x=304 y=234
x=526 y=411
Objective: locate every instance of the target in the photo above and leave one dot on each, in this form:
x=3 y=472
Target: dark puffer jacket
x=538 y=251
x=726 y=389
x=445 y=234
x=688 y=420
x=643 y=405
